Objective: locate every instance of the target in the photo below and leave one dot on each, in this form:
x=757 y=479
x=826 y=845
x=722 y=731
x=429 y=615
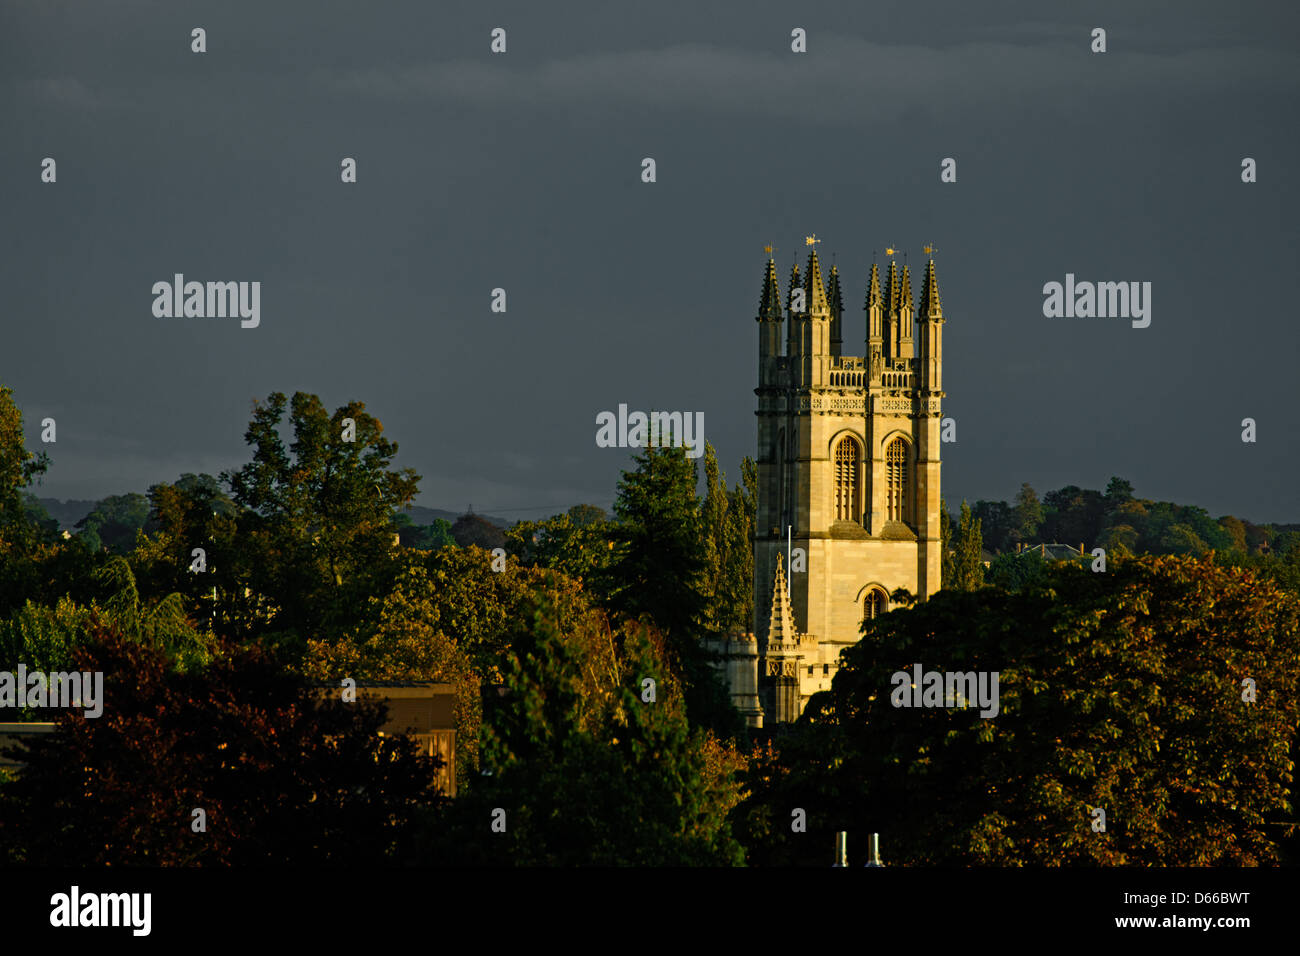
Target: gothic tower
x=848 y=471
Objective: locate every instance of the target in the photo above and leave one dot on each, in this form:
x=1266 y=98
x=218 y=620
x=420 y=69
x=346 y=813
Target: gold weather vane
x=769 y=248
x=811 y=240
x=929 y=250
x=891 y=252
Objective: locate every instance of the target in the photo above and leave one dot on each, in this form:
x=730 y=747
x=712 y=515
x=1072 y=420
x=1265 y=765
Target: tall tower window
x=896 y=480
x=874 y=606
x=847 y=503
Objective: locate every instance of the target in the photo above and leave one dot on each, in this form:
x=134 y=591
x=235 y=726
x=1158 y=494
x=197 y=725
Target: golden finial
x=891 y=252
x=769 y=248
x=929 y=250
x=811 y=240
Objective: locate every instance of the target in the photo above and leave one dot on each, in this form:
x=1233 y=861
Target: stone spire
x=769 y=304
x=817 y=304
x=905 y=313
x=793 y=341
x=893 y=286
x=875 y=320
x=836 y=296
x=780 y=630
x=930 y=294
x=795 y=283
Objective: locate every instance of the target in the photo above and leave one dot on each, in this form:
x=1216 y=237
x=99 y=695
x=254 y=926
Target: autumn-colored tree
x=401 y=641
x=1122 y=691
x=282 y=776
x=20 y=537
x=578 y=548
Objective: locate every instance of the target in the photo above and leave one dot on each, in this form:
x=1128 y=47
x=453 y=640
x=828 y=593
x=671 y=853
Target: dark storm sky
x=523 y=171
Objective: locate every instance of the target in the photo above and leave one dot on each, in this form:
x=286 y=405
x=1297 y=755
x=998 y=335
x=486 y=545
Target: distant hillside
x=422 y=515
x=67 y=513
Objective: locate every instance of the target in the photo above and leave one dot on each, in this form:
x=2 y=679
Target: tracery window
x=847 y=458
x=896 y=486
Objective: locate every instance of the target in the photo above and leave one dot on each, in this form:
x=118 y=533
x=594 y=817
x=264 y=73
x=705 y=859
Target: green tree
x=114 y=522
x=738 y=567
x=968 y=568
x=618 y=781
x=659 y=572
x=713 y=539
x=1118 y=490
x=1015 y=572
x=1027 y=515
x=318 y=538
x=946 y=563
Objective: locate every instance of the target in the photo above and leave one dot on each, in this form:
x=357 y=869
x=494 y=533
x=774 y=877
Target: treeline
x=591 y=728
x=1114 y=520
x=302 y=564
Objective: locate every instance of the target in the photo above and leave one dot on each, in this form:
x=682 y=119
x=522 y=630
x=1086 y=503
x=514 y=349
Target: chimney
x=873 y=851
x=841 y=849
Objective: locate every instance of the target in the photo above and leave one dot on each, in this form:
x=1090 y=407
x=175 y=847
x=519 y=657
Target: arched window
x=847 y=506
x=874 y=606
x=896 y=487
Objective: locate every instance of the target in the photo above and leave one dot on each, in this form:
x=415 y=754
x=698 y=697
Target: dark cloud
x=522 y=172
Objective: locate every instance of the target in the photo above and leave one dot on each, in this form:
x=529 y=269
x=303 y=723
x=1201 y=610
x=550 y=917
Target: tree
x=659 y=572
x=18 y=467
x=968 y=567
x=1118 y=490
x=282 y=776
x=318 y=540
x=946 y=564
x=404 y=643
x=1027 y=516
x=195 y=513
x=618 y=780
x=998 y=524
x=472 y=530
x=713 y=539
x=1121 y=691
x=476 y=607
x=1015 y=572
x=584 y=516
x=114 y=522
x=658 y=567
x=738 y=566
x=579 y=550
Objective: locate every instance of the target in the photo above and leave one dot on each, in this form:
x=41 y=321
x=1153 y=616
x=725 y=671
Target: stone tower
x=848 y=471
